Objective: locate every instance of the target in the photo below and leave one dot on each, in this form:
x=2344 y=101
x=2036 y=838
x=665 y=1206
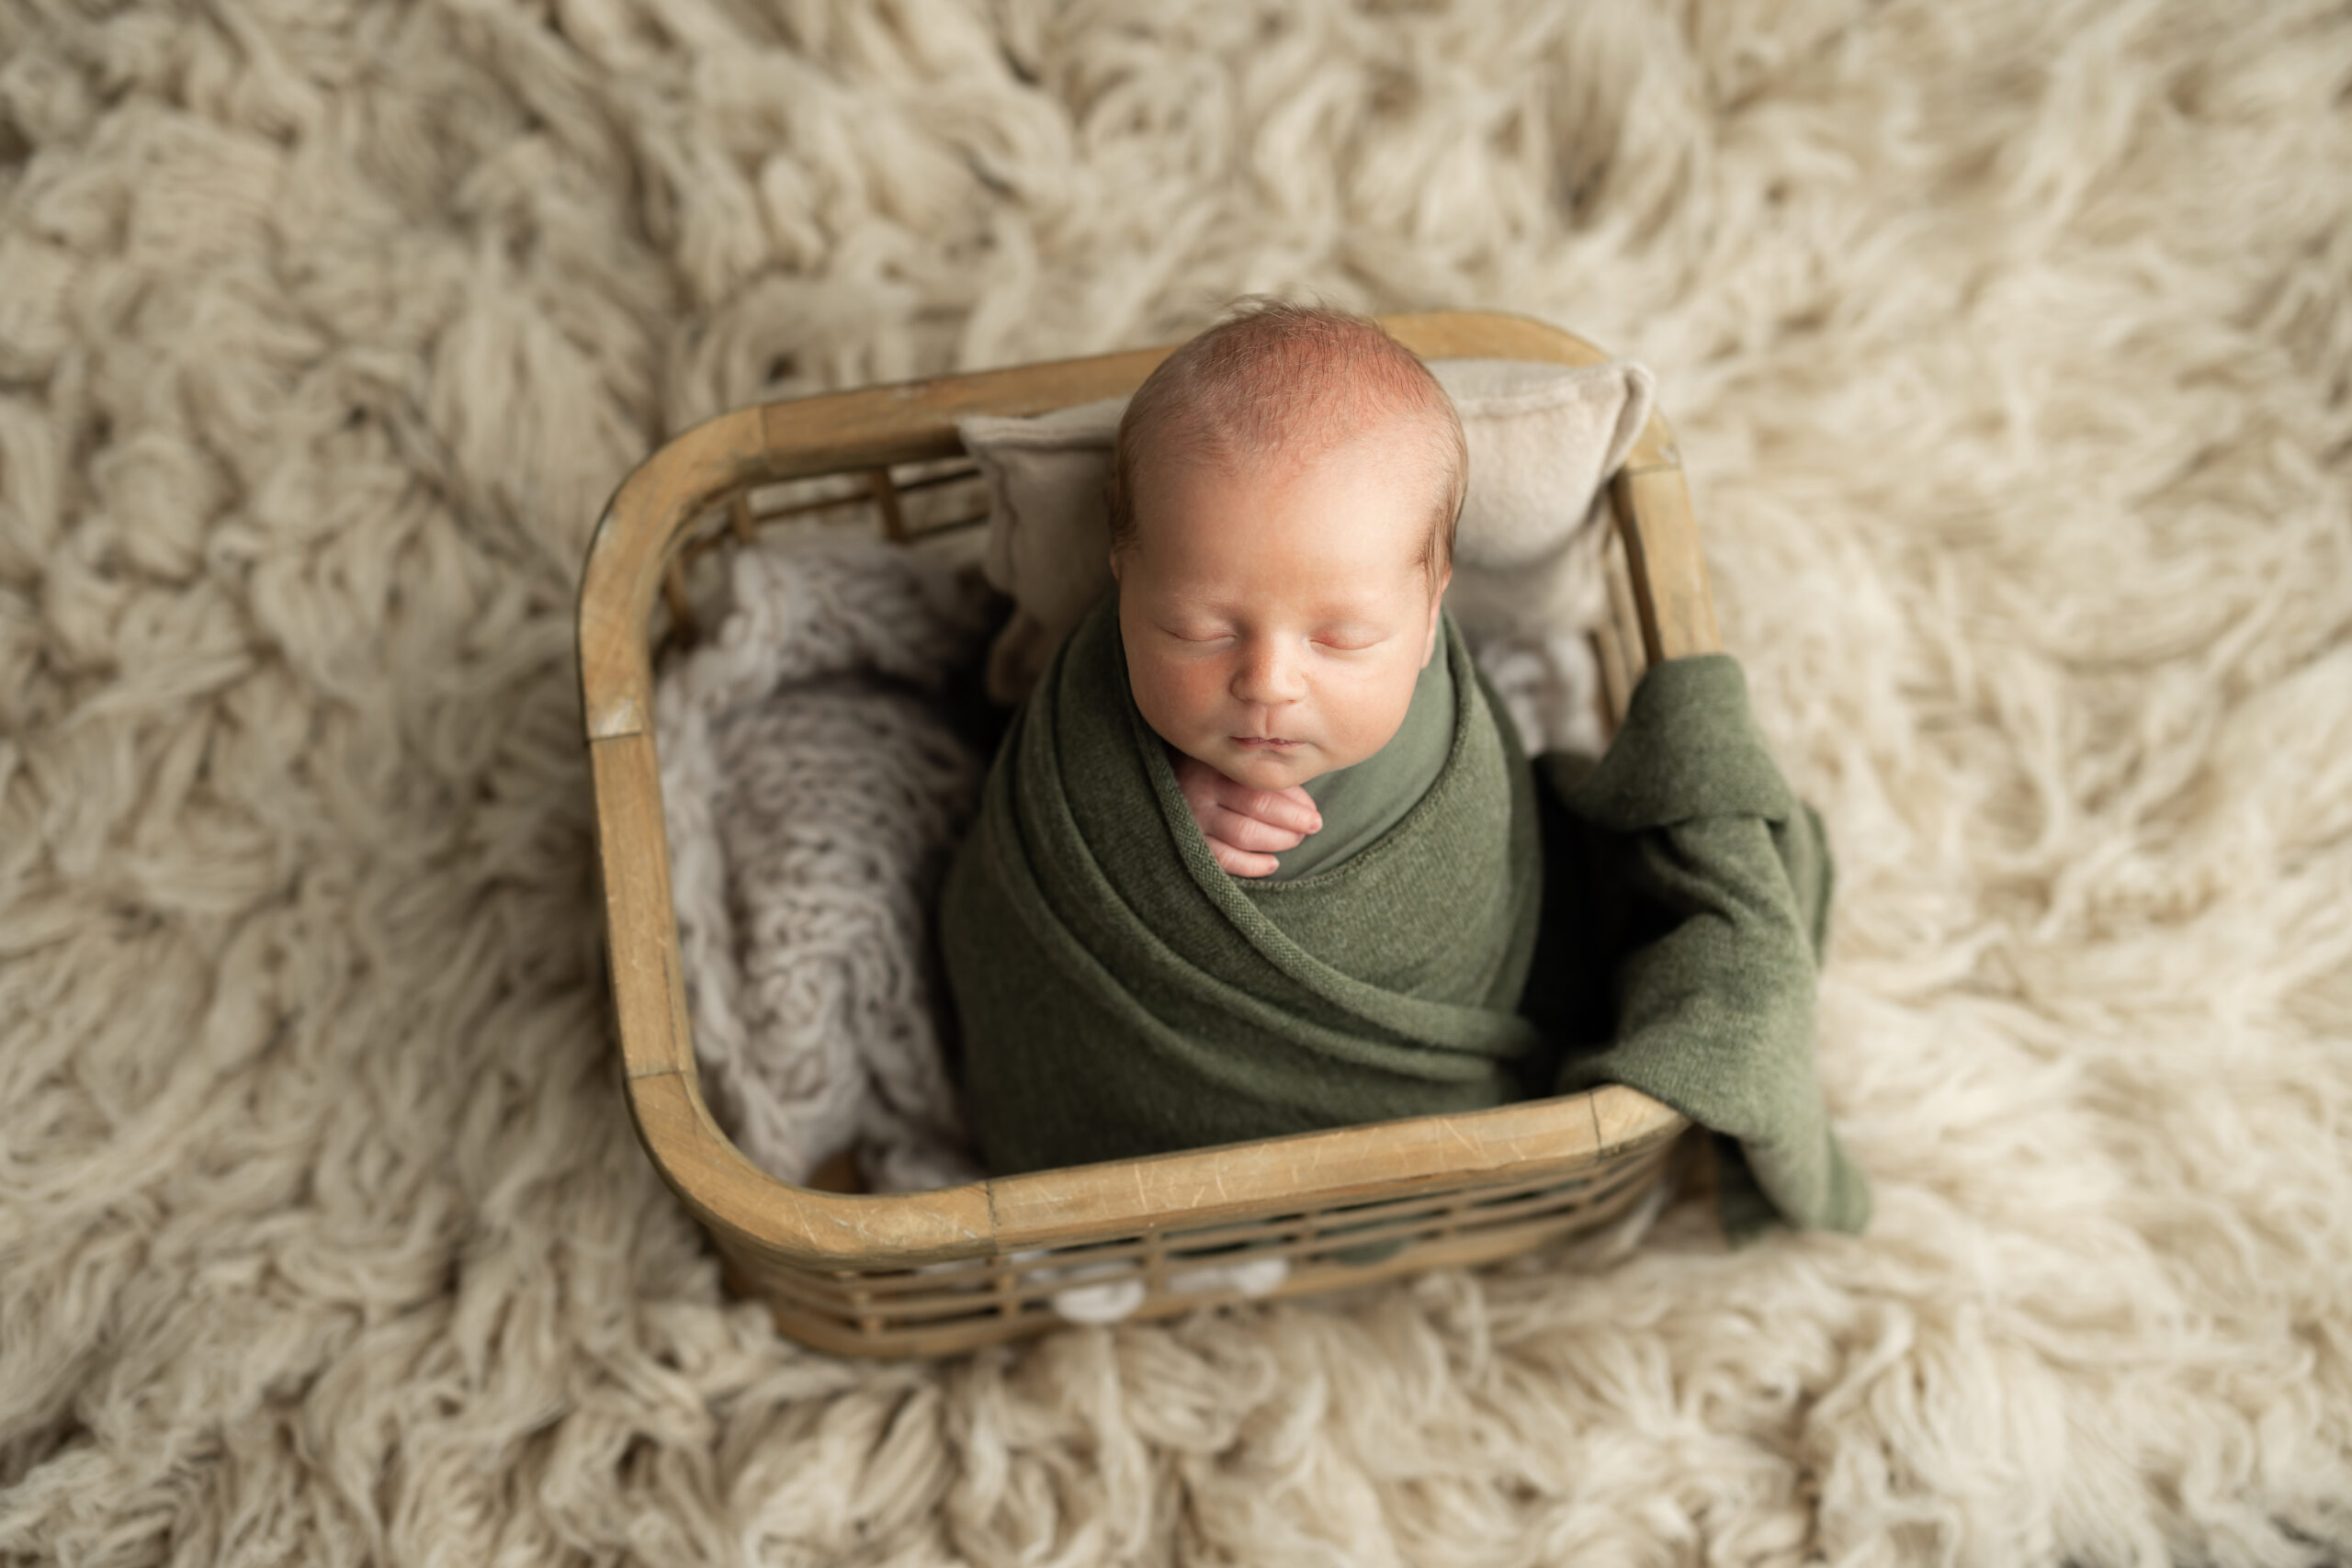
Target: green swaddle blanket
x=1361 y=803
x=1118 y=994
x=1687 y=900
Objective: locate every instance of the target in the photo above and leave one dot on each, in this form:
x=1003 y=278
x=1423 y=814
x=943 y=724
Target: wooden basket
x=926 y=1273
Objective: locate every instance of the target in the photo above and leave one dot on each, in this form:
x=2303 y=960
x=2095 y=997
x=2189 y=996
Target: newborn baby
x=1256 y=855
x=1259 y=855
x=1284 y=498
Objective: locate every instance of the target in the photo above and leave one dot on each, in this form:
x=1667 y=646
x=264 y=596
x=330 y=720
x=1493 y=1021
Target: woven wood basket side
x=927 y=1272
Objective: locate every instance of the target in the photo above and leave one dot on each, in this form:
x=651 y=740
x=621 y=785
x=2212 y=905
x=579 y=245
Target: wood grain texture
x=1663 y=560
x=630 y=548
x=764 y=1219
x=886 y=1337
x=1488 y=335
x=640 y=920
x=1311 y=1170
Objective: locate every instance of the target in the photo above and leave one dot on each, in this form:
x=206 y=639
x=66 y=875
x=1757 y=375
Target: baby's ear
x=1114 y=566
x=1437 y=615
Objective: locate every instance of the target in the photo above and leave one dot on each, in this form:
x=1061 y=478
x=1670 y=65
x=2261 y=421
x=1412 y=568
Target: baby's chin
x=1271 y=768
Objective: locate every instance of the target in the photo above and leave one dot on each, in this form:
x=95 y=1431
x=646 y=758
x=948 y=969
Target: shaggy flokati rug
x=2008 y=343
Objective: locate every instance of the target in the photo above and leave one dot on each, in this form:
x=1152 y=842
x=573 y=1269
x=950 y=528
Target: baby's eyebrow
x=1357 y=613
x=1177 y=599
x=1196 y=604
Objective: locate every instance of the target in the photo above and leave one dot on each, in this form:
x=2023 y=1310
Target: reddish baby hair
x=1294 y=379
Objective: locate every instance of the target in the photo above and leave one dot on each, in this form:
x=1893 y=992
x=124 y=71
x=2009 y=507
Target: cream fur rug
x=2008 y=340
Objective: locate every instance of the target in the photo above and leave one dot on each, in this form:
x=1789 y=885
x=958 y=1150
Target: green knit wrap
x=1119 y=994
x=1687 y=903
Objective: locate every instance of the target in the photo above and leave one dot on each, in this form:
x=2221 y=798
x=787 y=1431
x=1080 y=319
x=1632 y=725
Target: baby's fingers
x=1240 y=862
x=1292 y=809
x=1248 y=832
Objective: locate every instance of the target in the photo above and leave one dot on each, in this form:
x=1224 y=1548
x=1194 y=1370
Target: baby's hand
x=1244 y=825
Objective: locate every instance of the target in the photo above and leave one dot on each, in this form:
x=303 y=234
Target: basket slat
x=650 y=1008
x=1670 y=578
x=981 y=1321
x=1083 y=1203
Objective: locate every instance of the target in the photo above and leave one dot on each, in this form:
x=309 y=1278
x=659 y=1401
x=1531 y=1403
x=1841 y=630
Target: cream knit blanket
x=812 y=797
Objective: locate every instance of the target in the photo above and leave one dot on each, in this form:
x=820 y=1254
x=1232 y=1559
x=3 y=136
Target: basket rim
x=871 y=427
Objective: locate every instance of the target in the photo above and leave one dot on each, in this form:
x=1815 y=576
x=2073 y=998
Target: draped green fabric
x=1118 y=994
x=1687 y=901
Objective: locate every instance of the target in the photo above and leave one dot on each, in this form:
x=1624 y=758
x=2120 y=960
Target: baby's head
x=1284 y=495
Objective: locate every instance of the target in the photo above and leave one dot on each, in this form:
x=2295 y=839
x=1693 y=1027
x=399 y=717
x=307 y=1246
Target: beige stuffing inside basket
x=1544 y=439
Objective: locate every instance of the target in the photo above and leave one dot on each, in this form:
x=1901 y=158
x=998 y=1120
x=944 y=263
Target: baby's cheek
x=1374 y=710
x=1197 y=691
x=1177 y=696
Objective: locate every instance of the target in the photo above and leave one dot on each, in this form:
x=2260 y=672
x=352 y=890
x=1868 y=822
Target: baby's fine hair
x=1296 y=379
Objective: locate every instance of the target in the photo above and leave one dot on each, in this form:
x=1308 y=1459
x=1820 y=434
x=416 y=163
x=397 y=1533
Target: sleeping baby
x=1282 y=505
x=1259 y=854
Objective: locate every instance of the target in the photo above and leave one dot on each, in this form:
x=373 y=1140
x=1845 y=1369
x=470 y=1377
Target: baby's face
x=1275 y=620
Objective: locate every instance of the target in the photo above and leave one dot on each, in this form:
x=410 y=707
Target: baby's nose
x=1270 y=674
